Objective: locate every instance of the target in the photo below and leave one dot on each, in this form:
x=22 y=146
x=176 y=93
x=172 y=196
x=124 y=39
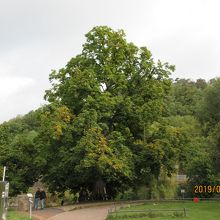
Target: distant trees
x=201 y=173
x=209 y=115
x=19 y=153
x=210 y=111
x=199 y=102
x=185 y=97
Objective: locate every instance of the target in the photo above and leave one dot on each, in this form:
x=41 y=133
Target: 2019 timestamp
x=206 y=189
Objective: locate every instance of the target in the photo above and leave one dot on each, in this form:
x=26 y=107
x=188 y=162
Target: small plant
x=178 y=214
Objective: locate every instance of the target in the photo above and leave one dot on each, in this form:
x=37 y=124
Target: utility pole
x=4 y=171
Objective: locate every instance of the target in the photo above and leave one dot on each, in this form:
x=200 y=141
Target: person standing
x=36 y=198
x=42 y=198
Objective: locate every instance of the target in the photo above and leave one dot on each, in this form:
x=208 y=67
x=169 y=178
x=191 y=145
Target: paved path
x=46 y=213
x=92 y=213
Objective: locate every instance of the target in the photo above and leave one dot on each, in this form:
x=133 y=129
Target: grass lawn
x=13 y=215
x=203 y=210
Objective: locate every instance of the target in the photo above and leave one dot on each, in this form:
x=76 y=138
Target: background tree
x=201 y=173
x=210 y=109
x=185 y=97
x=19 y=153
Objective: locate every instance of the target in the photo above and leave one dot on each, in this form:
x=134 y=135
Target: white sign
x=182 y=190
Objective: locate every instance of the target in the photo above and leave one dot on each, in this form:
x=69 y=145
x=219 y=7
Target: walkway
x=91 y=211
x=46 y=213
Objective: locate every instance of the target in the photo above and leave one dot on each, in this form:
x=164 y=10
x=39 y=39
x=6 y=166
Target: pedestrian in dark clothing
x=37 y=198
x=42 y=198
x=62 y=202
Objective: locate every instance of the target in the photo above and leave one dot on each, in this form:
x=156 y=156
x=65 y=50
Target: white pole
x=30 y=211
x=30 y=202
x=3 y=178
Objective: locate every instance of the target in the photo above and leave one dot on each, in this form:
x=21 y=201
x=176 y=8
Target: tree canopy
x=113 y=90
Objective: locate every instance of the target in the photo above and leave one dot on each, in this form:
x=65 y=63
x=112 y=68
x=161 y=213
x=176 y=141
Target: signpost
x=30 y=197
x=4 y=189
x=182 y=192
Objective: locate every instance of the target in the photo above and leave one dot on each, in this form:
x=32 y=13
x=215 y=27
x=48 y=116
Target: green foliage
x=214 y=141
x=164 y=188
x=19 y=153
x=210 y=111
x=201 y=173
x=185 y=97
x=112 y=89
x=128 y=194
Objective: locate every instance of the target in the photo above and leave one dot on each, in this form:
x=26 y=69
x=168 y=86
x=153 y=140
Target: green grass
x=204 y=210
x=13 y=215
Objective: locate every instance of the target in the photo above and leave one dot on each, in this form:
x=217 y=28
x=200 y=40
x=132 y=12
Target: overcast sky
x=39 y=35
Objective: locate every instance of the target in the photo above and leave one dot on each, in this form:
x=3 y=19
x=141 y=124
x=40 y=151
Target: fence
x=149 y=211
x=119 y=205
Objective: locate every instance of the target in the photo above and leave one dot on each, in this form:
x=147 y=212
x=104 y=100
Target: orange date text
x=206 y=189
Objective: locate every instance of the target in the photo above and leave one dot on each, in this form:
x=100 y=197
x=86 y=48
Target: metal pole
x=3 y=178
x=30 y=203
x=30 y=211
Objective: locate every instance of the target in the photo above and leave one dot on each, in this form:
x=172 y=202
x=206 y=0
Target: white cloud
x=10 y=86
x=37 y=36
